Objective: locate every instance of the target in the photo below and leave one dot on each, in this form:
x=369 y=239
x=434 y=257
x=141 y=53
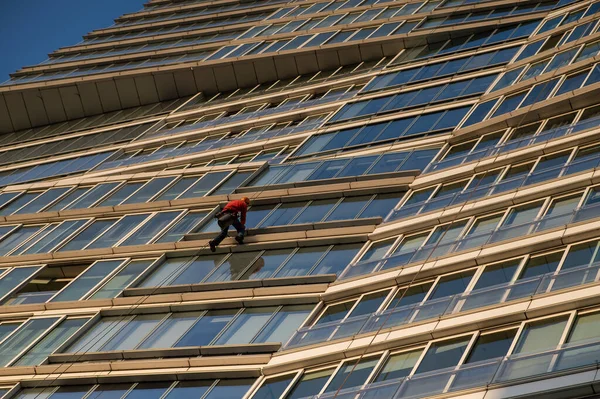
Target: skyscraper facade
x=425 y=203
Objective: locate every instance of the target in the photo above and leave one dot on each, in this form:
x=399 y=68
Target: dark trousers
x=232 y=221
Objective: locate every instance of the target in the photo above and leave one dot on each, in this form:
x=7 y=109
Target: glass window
x=310 y=384
x=273 y=388
x=176 y=189
x=541 y=335
x=119 y=195
x=151 y=228
x=149 y=190
x=193 y=273
x=44 y=348
x=284 y=214
x=186 y=225
x=122 y=279
x=491 y=346
x=17 y=237
x=92 y=195
x=337 y=259
x=87 y=280
x=229 y=389
x=207 y=328
x=18 y=203
x=315 y=211
x=54 y=237
x=203 y=185
x=358 y=370
x=302 y=261
x=97 y=228
x=23 y=337
x=581 y=255
x=349 y=208
x=233 y=267
x=42 y=200
x=171 y=330
x=443 y=354
x=285 y=322
x=118 y=230
x=189 y=389
x=15 y=278
x=232 y=183
x=133 y=332
x=398 y=365
x=246 y=326
x=266 y=264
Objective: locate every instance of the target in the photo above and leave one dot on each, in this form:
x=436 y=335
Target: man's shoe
x=212 y=245
x=239 y=239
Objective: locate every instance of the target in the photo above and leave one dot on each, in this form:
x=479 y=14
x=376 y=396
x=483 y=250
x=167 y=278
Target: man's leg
x=217 y=240
x=241 y=231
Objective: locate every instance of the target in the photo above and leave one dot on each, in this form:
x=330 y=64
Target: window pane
x=43 y=200
x=189 y=390
x=151 y=228
x=316 y=211
x=55 y=237
x=171 y=330
x=491 y=346
x=90 y=233
x=281 y=327
x=149 y=190
x=233 y=266
x=25 y=335
x=207 y=328
x=121 y=228
x=98 y=335
x=165 y=272
x=50 y=342
x=197 y=271
x=177 y=188
x=246 y=326
x=302 y=261
x=273 y=388
x=381 y=206
x=87 y=280
x=229 y=389
x=443 y=354
x=92 y=195
x=15 y=278
x=185 y=225
x=17 y=237
x=149 y=390
x=109 y=391
x=310 y=384
x=398 y=366
x=352 y=374
x=118 y=196
x=284 y=214
x=131 y=335
x=232 y=183
x=337 y=259
x=349 y=208
x=540 y=336
x=122 y=279
x=204 y=185
x=266 y=264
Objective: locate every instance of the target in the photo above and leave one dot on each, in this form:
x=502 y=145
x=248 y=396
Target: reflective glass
x=118 y=230
x=87 y=280
x=151 y=228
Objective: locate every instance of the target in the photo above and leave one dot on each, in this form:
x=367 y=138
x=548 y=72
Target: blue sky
x=30 y=29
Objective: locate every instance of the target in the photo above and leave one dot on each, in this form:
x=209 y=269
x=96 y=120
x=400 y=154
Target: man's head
x=246 y=200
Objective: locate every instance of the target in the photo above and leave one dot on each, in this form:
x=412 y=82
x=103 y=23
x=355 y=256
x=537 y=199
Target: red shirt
x=237 y=206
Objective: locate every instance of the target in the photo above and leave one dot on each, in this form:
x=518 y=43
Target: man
x=234 y=213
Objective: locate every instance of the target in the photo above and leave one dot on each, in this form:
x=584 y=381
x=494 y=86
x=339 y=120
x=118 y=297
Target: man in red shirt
x=234 y=213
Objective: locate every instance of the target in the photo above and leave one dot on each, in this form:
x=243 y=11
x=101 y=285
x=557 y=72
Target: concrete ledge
x=409 y=174
x=232 y=285
x=291 y=228
x=216 y=350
